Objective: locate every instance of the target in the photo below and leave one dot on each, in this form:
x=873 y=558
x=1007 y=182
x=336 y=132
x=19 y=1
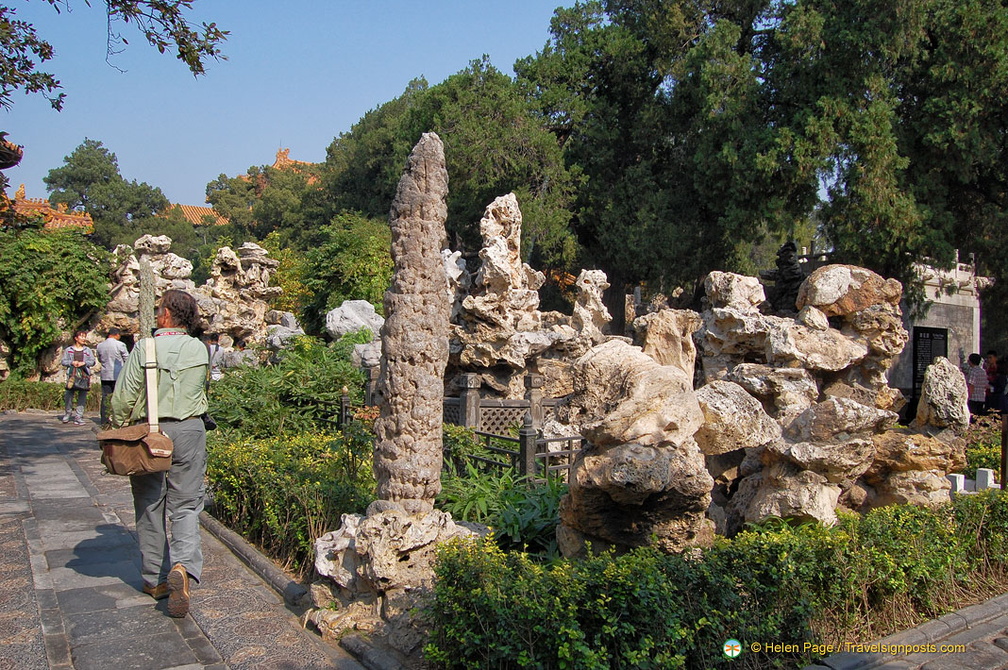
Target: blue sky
x=299 y=72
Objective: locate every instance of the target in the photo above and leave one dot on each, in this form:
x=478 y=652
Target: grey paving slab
x=151 y=652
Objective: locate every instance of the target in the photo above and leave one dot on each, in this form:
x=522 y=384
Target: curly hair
x=183 y=308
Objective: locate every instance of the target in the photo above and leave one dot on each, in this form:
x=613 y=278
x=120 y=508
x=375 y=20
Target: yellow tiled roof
x=195 y=214
x=59 y=217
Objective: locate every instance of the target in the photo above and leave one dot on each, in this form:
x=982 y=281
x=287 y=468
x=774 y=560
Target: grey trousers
x=68 y=404
x=167 y=506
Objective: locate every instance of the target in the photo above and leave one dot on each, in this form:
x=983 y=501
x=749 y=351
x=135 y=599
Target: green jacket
x=182 y=371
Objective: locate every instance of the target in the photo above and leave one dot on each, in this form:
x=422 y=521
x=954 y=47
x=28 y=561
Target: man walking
x=111 y=354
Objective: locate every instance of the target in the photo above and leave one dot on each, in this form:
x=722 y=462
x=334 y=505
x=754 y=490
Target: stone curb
x=292 y=592
x=929 y=632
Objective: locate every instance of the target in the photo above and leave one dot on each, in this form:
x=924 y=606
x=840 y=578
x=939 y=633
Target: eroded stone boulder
x=839 y=416
x=351 y=316
x=839 y=290
x=786 y=392
x=380 y=566
x=943 y=401
x=784 y=490
x=727 y=289
x=733 y=420
x=644 y=475
x=622 y=396
x=667 y=337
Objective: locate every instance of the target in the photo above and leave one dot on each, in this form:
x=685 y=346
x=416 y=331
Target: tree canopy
x=495 y=143
x=702 y=128
x=53 y=281
x=89 y=181
x=163 y=23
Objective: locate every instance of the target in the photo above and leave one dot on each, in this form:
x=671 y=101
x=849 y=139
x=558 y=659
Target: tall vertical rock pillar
x=407 y=458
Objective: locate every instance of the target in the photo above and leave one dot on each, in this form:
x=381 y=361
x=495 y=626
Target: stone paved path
x=70 y=579
x=974 y=638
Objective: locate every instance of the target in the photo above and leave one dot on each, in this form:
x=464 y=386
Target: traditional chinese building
x=199 y=216
x=55 y=218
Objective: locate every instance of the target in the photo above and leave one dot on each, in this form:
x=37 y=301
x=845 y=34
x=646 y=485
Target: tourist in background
x=215 y=354
x=976 y=382
x=78 y=360
x=170 y=560
x=996 y=399
x=991 y=366
x=112 y=354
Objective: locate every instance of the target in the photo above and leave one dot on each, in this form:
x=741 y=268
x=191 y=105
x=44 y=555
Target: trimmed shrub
x=804 y=586
x=19 y=395
x=285 y=492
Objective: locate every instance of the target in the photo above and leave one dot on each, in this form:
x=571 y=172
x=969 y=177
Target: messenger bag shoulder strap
x=151 y=379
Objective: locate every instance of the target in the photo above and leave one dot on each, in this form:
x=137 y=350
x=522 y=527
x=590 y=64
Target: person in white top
x=112 y=353
x=214 y=353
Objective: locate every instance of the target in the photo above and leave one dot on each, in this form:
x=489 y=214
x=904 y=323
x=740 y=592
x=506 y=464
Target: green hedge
x=19 y=395
x=283 y=493
x=772 y=584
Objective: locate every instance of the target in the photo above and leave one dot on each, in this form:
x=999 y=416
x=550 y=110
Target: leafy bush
x=284 y=492
x=51 y=280
x=18 y=394
x=983 y=455
x=983 y=445
x=299 y=394
x=459 y=443
x=865 y=578
x=523 y=516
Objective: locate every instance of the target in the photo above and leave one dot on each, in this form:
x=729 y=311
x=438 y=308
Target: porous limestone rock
x=727 y=289
x=813 y=318
x=590 y=313
x=622 y=396
x=914 y=487
x=783 y=490
x=838 y=462
x=238 y=291
x=385 y=558
x=881 y=326
x=232 y=303
x=790 y=344
x=667 y=337
x=644 y=475
x=839 y=290
x=415 y=335
x=631 y=495
x=380 y=565
x=733 y=419
x=943 y=401
x=278 y=337
x=727 y=331
x=904 y=451
x=505 y=290
x=835 y=416
x=497 y=330
x=351 y=316
x=785 y=392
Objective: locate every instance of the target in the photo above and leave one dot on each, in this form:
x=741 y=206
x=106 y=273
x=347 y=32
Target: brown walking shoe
x=158 y=592
x=178 y=591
